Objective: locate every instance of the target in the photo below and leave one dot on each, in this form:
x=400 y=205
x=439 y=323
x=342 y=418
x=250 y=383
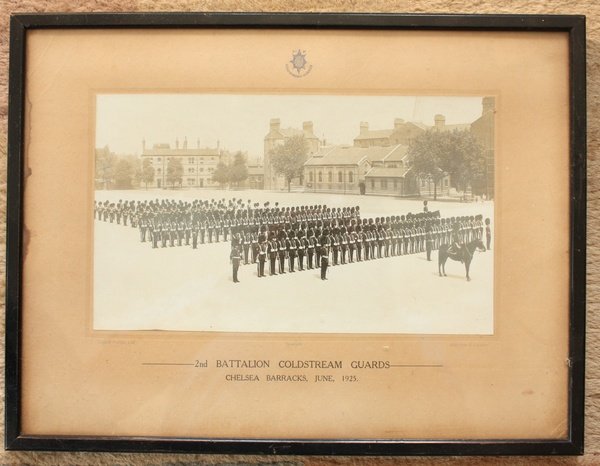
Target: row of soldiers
x=169 y=222
x=352 y=241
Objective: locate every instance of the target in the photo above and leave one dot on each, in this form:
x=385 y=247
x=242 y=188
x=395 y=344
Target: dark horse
x=464 y=254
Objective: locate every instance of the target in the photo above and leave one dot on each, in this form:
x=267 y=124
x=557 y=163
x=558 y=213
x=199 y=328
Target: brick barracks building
x=378 y=162
x=198 y=163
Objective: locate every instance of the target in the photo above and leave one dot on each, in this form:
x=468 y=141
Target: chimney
x=364 y=127
x=488 y=105
x=218 y=144
x=144 y=145
x=177 y=143
x=440 y=121
x=198 y=143
x=275 y=124
x=307 y=126
x=185 y=142
x=398 y=122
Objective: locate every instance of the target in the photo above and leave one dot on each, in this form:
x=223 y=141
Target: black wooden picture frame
x=573 y=25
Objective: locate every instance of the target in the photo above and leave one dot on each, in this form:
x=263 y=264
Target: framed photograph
x=340 y=234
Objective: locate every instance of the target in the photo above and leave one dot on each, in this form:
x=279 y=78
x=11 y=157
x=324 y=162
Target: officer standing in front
x=235 y=257
x=324 y=262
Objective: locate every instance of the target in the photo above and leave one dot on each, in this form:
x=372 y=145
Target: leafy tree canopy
x=288 y=158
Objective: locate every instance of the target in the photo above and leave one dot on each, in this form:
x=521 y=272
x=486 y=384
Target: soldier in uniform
x=352 y=237
x=247 y=241
x=226 y=226
x=292 y=246
x=254 y=246
x=210 y=228
x=428 y=241
x=282 y=250
x=173 y=231
x=188 y=231
x=195 y=228
x=164 y=233
x=366 y=238
x=272 y=251
x=488 y=233
x=324 y=254
x=310 y=250
x=180 y=231
x=374 y=241
x=345 y=238
x=262 y=257
x=143 y=227
x=302 y=248
x=336 y=247
x=156 y=233
x=235 y=257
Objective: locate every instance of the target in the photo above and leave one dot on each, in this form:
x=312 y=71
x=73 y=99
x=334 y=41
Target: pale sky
x=240 y=122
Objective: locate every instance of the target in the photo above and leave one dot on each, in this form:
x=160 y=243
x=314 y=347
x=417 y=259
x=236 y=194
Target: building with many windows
x=378 y=159
x=342 y=169
x=198 y=163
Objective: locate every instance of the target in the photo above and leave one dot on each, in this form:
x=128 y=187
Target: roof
x=207 y=151
x=352 y=155
x=396 y=154
x=288 y=133
x=374 y=134
x=418 y=124
x=381 y=172
x=337 y=155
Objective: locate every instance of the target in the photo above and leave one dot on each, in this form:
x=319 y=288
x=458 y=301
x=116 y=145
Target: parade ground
x=179 y=288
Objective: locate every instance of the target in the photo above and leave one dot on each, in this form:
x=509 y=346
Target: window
x=191 y=181
x=211 y=170
x=158 y=170
x=320 y=177
x=395 y=183
x=340 y=177
x=422 y=183
x=330 y=177
x=190 y=159
x=372 y=184
x=158 y=159
x=201 y=169
x=350 y=177
x=191 y=170
x=446 y=182
x=383 y=183
x=311 y=177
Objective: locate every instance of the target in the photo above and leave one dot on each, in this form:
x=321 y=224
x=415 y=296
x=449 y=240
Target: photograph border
x=573 y=25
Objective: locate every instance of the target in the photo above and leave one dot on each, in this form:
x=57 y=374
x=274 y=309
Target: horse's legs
x=467 y=265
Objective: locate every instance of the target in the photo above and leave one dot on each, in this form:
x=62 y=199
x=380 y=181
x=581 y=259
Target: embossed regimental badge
x=298 y=66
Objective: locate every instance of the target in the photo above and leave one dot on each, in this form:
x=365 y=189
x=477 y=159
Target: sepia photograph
x=294 y=213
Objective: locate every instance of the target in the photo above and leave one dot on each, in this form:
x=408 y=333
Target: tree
x=426 y=154
x=435 y=155
x=123 y=174
x=288 y=159
x=238 y=171
x=147 y=172
x=174 y=171
x=221 y=174
x=106 y=162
